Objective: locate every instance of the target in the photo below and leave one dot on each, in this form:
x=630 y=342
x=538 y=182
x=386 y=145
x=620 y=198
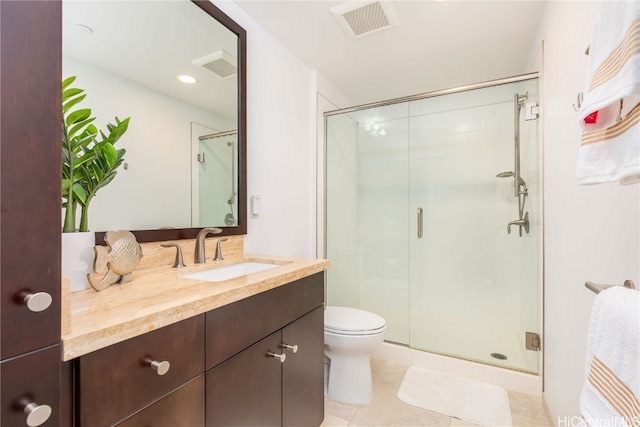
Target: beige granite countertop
x=158 y=297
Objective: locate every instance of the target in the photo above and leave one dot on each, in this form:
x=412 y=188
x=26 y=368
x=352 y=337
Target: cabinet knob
x=281 y=357
x=161 y=368
x=36 y=414
x=36 y=302
x=293 y=348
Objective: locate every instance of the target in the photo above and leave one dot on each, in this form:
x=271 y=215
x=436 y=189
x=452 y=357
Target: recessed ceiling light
x=187 y=79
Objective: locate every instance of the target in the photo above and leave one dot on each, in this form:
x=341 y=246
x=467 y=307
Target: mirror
x=185 y=166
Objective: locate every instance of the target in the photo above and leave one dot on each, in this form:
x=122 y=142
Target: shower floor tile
x=387 y=410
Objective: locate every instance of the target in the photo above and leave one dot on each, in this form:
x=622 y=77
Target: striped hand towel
x=612 y=388
x=610 y=113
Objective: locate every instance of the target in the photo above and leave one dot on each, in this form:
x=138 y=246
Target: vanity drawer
x=33 y=378
x=120 y=379
x=234 y=327
x=183 y=407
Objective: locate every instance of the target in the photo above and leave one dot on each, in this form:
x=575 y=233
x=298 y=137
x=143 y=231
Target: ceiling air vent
x=220 y=63
x=358 y=18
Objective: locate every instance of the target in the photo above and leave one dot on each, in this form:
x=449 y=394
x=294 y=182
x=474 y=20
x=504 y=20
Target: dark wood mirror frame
x=241 y=228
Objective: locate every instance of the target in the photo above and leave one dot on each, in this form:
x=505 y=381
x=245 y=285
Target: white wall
x=281 y=143
x=591 y=232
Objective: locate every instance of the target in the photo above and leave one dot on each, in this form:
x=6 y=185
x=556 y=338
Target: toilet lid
x=347 y=320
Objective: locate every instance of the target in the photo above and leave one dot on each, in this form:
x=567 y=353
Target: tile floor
x=387 y=410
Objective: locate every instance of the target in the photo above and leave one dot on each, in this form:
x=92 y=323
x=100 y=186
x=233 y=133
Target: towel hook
x=579 y=99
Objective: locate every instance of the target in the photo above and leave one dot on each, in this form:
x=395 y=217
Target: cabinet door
x=303 y=371
x=32 y=378
x=234 y=327
x=29 y=173
x=184 y=407
x=245 y=390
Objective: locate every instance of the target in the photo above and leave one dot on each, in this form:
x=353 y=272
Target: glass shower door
x=444 y=167
x=472 y=285
x=367 y=224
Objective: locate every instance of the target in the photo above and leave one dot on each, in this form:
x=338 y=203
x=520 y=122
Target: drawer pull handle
x=36 y=414
x=161 y=368
x=281 y=357
x=293 y=348
x=36 y=302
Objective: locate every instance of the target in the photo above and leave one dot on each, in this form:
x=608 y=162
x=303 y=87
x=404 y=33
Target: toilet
x=350 y=336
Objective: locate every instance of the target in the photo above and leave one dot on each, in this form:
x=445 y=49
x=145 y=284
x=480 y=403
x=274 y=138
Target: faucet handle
x=218 y=256
x=523 y=222
x=178 y=263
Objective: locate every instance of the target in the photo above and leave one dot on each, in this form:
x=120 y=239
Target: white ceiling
x=151 y=43
x=437 y=45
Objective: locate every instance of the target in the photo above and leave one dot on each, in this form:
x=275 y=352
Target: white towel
x=614 y=64
x=612 y=97
x=612 y=387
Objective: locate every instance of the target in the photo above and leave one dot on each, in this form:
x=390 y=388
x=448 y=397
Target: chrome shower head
x=505 y=174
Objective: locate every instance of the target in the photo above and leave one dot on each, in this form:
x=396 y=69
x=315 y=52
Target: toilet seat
x=352 y=321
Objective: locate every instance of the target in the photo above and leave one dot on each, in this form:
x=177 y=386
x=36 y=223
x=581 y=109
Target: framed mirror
x=185 y=165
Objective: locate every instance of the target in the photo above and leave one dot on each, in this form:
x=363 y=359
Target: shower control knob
x=293 y=348
x=281 y=357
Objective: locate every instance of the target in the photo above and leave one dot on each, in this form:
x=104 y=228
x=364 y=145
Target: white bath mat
x=469 y=400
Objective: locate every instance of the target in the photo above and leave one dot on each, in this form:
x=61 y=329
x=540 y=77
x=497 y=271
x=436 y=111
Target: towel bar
x=597 y=287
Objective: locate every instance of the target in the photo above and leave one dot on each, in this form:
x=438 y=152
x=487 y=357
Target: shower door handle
x=419 y=223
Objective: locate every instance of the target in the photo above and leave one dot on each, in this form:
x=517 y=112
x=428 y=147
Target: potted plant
x=89 y=157
x=89 y=162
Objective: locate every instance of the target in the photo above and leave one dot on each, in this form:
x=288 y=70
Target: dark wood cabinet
x=303 y=371
x=245 y=389
x=183 y=407
x=31 y=379
x=257 y=361
x=278 y=380
x=234 y=327
x=121 y=379
x=269 y=384
x=30 y=153
x=30 y=119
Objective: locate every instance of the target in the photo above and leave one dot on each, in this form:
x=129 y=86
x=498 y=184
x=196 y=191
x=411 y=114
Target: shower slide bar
x=597 y=288
x=519 y=186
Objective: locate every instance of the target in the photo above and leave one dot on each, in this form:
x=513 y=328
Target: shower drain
x=499 y=356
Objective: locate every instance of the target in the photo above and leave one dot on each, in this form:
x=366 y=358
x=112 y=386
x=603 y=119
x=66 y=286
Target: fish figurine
x=115 y=262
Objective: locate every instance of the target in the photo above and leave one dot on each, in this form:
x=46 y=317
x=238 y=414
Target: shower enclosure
x=433 y=216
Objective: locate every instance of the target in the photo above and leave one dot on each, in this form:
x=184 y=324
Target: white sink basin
x=230 y=271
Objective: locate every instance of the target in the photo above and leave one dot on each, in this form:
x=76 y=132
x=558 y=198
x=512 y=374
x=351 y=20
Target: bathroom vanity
x=173 y=351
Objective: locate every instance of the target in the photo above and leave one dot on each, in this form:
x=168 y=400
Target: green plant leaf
x=70 y=93
x=79 y=193
x=66 y=82
x=79 y=127
x=77 y=116
x=66 y=106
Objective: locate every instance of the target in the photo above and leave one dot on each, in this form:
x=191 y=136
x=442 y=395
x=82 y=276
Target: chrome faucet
x=199 y=256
